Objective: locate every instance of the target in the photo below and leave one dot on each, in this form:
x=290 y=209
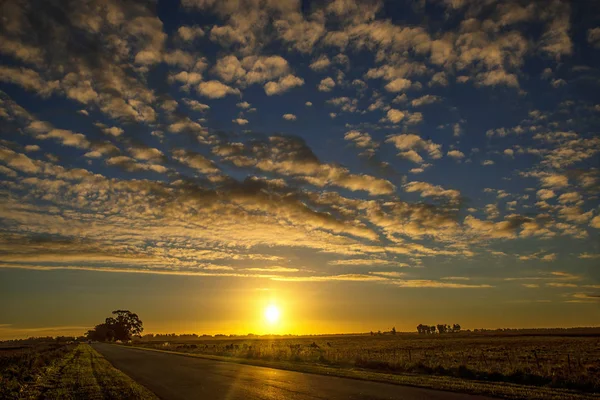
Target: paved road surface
x=174 y=377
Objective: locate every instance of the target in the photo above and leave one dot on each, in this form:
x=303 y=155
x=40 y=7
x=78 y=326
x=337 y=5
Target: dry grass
x=542 y=361
x=22 y=365
x=48 y=371
x=85 y=374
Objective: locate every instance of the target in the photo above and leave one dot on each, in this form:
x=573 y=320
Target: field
x=22 y=365
x=503 y=365
x=552 y=361
x=54 y=371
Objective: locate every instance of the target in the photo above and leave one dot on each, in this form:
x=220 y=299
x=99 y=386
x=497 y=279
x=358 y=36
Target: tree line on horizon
x=111 y=332
x=440 y=328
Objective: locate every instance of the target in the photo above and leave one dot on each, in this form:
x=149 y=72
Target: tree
x=122 y=327
x=456 y=328
x=425 y=329
x=125 y=324
x=101 y=333
x=393 y=330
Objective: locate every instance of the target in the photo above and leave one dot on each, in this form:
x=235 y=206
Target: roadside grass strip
x=85 y=374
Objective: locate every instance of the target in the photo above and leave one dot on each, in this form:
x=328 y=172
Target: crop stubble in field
x=553 y=361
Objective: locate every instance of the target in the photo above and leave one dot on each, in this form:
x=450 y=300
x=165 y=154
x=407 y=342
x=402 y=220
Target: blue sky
x=422 y=149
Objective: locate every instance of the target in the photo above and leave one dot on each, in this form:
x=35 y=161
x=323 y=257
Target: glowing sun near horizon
x=272 y=314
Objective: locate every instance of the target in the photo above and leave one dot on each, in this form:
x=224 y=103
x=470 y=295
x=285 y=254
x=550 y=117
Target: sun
x=272 y=314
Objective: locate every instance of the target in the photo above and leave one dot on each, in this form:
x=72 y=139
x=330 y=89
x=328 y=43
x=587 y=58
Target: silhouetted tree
x=441 y=328
x=123 y=326
x=426 y=329
x=102 y=332
x=393 y=330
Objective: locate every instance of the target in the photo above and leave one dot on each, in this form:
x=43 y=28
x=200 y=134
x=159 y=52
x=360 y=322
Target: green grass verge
x=85 y=374
x=495 y=389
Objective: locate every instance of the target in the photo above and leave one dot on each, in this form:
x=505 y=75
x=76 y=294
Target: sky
x=358 y=164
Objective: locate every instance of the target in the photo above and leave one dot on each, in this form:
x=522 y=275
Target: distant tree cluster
x=440 y=328
x=165 y=336
x=379 y=333
x=122 y=326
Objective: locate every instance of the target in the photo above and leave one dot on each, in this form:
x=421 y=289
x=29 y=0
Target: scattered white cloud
x=429 y=190
x=216 y=90
x=410 y=144
x=424 y=100
x=196 y=105
x=545 y=194
x=593 y=36
x=456 y=154
x=395 y=116
x=321 y=63
x=398 y=85
x=240 y=121
x=190 y=33
x=326 y=85
x=283 y=85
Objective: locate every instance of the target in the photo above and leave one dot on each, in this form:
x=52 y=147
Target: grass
x=82 y=373
x=543 y=367
x=21 y=366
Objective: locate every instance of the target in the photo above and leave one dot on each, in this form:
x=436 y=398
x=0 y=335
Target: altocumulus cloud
x=212 y=149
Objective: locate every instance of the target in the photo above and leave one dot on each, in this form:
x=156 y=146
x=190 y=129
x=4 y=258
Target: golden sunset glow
x=272 y=314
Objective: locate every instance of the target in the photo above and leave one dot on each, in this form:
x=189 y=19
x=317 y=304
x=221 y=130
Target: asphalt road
x=174 y=377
